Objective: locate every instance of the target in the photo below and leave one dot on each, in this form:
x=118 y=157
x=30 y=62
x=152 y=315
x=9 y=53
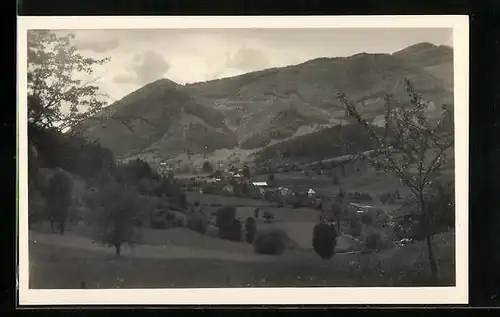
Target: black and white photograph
x=325 y=155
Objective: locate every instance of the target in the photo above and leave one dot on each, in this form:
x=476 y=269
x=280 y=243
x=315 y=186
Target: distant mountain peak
x=420 y=48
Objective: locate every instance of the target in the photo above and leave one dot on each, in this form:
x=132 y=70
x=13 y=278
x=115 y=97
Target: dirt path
x=146 y=251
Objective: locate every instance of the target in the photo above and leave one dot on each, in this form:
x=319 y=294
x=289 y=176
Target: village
x=260 y=184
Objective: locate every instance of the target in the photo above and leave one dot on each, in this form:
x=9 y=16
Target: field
x=179 y=257
x=54 y=266
x=368 y=181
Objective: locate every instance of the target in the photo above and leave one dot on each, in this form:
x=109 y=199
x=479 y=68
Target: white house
x=259 y=184
x=311 y=192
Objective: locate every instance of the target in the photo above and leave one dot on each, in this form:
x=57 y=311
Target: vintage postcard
x=243 y=160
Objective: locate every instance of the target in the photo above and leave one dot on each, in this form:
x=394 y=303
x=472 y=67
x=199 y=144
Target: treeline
x=330 y=142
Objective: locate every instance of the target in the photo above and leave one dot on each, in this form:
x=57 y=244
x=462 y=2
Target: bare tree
x=415 y=149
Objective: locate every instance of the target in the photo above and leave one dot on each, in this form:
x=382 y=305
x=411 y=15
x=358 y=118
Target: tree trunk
x=117 y=249
x=428 y=225
x=432 y=261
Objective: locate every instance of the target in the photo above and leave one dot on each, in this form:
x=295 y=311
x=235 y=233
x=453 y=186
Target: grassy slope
x=59 y=267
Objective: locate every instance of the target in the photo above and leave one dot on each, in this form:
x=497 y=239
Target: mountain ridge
x=261 y=108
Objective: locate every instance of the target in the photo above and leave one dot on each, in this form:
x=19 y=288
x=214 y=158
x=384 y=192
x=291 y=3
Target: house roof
x=259 y=183
x=360 y=206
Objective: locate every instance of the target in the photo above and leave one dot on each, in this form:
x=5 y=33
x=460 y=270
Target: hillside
x=280 y=103
x=262 y=108
x=436 y=60
x=317 y=146
x=164 y=119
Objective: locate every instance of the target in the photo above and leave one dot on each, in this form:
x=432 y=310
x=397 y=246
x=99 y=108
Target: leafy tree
x=413 y=148
x=116 y=218
x=207 y=168
x=246 y=172
x=223 y=220
x=251 y=229
x=59 y=199
x=324 y=240
x=52 y=84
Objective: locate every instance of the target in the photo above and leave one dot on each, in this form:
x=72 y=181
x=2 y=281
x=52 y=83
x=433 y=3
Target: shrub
x=268 y=216
x=251 y=229
x=324 y=240
x=197 y=223
x=271 y=243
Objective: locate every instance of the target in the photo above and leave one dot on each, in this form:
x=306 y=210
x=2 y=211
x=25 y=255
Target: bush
x=271 y=243
x=251 y=229
x=324 y=240
x=197 y=223
x=268 y=216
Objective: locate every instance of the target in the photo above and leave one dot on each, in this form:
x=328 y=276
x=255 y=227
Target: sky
x=141 y=56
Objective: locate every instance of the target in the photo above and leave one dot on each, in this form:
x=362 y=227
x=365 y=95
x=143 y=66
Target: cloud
x=98 y=46
x=248 y=59
x=125 y=79
x=146 y=68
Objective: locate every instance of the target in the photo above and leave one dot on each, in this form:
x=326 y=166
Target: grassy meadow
x=180 y=257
